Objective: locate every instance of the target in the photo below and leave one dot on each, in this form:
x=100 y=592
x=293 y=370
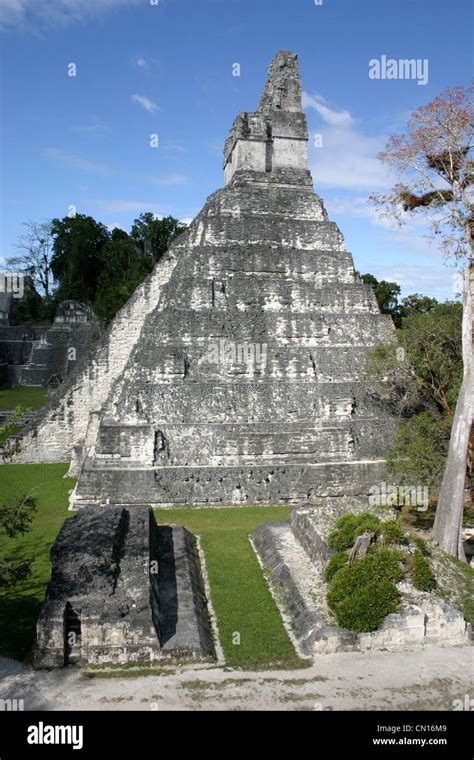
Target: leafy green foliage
x=386 y=294
x=349 y=526
x=154 y=236
x=420 y=367
x=392 y=532
x=417 y=304
x=419 y=371
x=92 y=265
x=15 y=520
x=78 y=259
x=30 y=309
x=366 y=607
x=419 y=449
x=337 y=561
x=16 y=517
x=123 y=269
x=10 y=426
x=361 y=595
x=420 y=573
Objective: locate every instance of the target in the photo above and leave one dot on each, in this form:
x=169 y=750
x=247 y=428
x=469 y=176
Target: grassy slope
x=19 y=606
x=34 y=398
x=29 y=397
x=239 y=593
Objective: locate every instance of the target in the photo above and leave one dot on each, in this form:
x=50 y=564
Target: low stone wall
x=294 y=555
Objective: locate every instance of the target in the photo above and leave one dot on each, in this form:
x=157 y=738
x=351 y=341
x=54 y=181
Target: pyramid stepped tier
x=247 y=402
x=270 y=443
x=189 y=326
x=236 y=373
x=204 y=363
x=318 y=265
x=224 y=485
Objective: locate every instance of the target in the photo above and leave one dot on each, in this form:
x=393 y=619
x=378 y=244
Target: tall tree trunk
x=447 y=529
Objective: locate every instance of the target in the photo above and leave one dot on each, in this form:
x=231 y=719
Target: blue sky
x=168 y=69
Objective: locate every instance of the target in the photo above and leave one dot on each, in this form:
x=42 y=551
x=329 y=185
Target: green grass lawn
x=28 y=397
x=240 y=597
x=20 y=605
x=32 y=397
x=239 y=593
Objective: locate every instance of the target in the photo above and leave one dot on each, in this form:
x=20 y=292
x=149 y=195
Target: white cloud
x=145 y=103
x=31 y=14
x=438 y=280
x=328 y=115
x=75 y=161
x=347 y=158
x=174 y=178
x=410 y=239
x=142 y=63
x=187 y=220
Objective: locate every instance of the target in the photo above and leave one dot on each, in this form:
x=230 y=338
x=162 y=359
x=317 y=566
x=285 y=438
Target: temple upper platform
x=276 y=136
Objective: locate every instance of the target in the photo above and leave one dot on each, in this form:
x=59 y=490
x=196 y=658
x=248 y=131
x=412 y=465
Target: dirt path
x=423 y=680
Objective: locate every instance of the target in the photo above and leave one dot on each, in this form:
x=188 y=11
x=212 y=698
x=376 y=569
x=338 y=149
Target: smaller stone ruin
x=123 y=589
x=32 y=355
x=295 y=554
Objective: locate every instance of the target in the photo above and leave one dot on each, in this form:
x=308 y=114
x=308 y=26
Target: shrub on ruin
x=420 y=572
x=362 y=594
x=349 y=526
x=392 y=532
x=337 y=561
x=367 y=607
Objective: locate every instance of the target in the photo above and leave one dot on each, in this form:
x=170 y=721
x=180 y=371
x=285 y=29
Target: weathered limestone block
x=122 y=590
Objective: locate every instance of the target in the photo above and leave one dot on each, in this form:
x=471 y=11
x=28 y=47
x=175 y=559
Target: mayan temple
x=235 y=373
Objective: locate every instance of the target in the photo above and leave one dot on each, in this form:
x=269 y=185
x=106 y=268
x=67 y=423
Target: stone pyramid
x=234 y=375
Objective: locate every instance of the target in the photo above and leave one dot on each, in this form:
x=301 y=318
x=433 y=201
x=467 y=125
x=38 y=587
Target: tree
x=386 y=294
x=433 y=159
x=154 y=236
x=416 y=304
x=124 y=268
x=10 y=425
x=77 y=256
x=420 y=367
x=15 y=520
x=419 y=372
x=36 y=251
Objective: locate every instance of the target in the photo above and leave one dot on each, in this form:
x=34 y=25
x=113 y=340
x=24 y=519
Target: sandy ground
x=428 y=679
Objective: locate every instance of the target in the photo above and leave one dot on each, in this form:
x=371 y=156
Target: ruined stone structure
x=122 y=590
x=7 y=302
x=295 y=554
x=234 y=375
x=31 y=355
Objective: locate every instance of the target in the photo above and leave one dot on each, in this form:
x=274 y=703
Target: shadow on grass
x=17 y=640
